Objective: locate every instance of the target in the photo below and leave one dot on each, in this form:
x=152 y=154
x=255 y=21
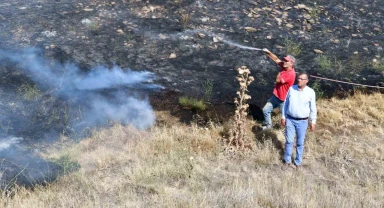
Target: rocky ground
x=186 y=42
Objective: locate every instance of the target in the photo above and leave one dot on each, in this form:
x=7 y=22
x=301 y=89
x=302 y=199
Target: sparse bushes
x=238 y=137
x=329 y=65
x=349 y=68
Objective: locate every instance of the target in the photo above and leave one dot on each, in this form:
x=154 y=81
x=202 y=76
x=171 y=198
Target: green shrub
x=192 y=103
x=315 y=12
x=94 y=26
x=29 y=91
x=356 y=63
x=67 y=163
x=316 y=86
x=292 y=47
x=324 y=62
x=208 y=87
x=378 y=66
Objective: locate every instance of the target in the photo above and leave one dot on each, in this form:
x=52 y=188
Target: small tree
x=238 y=137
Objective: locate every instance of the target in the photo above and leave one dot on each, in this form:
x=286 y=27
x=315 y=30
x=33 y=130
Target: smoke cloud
x=7 y=142
x=42 y=99
x=100 y=92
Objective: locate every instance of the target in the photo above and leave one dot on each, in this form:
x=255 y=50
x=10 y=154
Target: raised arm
x=272 y=56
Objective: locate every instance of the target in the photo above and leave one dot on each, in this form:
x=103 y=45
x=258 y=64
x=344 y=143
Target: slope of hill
x=178 y=165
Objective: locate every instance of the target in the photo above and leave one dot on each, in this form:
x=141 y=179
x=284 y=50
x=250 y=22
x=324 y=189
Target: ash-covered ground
x=142 y=35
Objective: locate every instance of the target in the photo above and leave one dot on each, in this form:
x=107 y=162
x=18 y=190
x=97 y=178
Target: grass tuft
x=292 y=47
x=378 y=66
x=192 y=103
x=324 y=62
x=66 y=163
x=94 y=26
x=185 y=19
x=29 y=92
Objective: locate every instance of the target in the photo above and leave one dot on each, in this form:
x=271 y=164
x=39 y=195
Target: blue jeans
x=273 y=102
x=300 y=128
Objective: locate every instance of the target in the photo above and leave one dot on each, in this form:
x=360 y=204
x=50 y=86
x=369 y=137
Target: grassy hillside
x=179 y=165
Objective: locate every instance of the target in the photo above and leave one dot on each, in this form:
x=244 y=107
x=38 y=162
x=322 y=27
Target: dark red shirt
x=287 y=79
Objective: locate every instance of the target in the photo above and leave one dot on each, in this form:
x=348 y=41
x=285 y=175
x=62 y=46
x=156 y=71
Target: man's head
x=289 y=61
x=302 y=79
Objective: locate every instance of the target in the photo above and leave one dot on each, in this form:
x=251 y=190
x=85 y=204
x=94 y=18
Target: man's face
x=302 y=80
x=287 y=64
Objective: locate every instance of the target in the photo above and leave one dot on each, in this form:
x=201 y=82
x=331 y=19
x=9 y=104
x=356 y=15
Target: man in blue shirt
x=300 y=104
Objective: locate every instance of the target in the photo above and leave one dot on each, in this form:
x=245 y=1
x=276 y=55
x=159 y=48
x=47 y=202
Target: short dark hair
x=306 y=74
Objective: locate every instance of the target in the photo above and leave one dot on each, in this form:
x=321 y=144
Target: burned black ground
x=63 y=25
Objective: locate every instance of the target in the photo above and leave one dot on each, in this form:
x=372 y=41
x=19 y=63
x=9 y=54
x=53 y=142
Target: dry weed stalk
x=238 y=137
x=185 y=19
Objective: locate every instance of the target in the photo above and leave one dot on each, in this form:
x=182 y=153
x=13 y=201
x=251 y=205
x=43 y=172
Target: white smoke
x=5 y=143
x=132 y=111
x=69 y=81
x=102 y=78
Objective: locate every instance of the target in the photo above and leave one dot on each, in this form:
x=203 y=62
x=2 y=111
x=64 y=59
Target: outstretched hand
x=266 y=50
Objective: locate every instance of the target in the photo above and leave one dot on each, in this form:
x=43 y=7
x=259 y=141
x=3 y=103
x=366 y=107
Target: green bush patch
x=192 y=103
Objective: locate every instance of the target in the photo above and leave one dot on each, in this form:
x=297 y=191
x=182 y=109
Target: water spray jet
x=241 y=46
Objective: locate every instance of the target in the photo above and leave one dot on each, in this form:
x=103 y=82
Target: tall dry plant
x=185 y=19
x=238 y=137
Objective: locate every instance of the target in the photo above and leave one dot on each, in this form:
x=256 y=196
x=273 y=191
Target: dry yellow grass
x=183 y=166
